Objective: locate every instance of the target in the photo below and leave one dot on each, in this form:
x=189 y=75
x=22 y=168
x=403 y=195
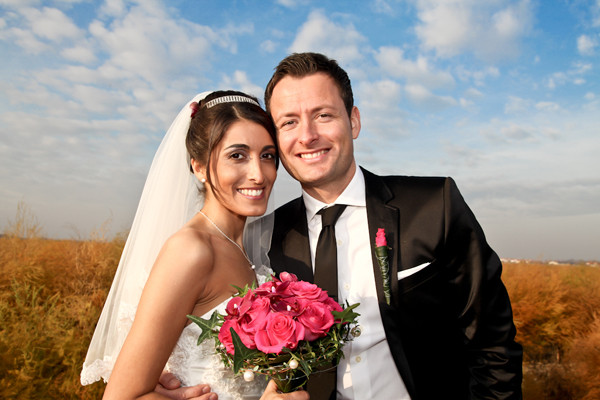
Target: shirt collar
x=353 y=195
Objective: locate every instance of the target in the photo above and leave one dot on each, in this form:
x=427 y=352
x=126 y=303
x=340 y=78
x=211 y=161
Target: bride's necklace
x=230 y=239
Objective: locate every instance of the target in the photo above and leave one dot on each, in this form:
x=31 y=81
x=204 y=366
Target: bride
x=184 y=253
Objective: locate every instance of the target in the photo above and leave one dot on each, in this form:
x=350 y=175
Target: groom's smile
x=312 y=156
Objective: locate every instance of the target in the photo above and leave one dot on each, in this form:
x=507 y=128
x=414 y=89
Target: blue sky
x=502 y=95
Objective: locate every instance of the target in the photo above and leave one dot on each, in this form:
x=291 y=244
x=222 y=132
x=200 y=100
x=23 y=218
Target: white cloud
x=113 y=8
x=268 y=46
x=517 y=105
x=79 y=54
x=382 y=7
x=292 y=3
x=514 y=132
x=393 y=63
x=378 y=103
x=240 y=81
x=547 y=106
x=320 y=34
x=473 y=93
x=19 y=3
x=51 y=24
x=492 y=31
x=27 y=40
x=421 y=96
x=586 y=45
x=574 y=75
x=595 y=11
x=478 y=77
x=148 y=47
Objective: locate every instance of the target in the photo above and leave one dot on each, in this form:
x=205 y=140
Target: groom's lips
x=312 y=155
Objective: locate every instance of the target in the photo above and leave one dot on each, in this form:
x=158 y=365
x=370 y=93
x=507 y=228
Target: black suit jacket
x=449 y=326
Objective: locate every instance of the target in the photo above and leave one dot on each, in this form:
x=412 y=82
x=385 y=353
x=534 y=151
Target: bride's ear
x=199 y=170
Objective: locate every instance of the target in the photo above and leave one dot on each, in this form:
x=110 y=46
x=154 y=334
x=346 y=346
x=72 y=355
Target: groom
x=447 y=330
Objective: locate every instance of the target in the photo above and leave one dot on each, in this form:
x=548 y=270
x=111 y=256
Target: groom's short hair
x=300 y=65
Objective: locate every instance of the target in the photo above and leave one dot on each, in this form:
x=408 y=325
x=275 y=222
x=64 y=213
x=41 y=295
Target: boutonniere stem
x=381 y=251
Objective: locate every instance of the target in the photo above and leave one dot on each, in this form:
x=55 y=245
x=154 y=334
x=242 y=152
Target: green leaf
x=304 y=366
x=207 y=325
x=241 y=351
x=347 y=314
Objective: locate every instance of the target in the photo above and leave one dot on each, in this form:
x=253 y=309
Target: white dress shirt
x=367 y=370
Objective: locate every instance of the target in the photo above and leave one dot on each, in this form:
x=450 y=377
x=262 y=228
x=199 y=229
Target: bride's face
x=243 y=168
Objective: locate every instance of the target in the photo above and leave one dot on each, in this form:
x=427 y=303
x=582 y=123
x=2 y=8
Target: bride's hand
x=271 y=393
x=168 y=385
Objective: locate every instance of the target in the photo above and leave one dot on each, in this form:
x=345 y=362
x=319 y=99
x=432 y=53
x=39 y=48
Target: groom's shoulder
x=294 y=205
x=408 y=182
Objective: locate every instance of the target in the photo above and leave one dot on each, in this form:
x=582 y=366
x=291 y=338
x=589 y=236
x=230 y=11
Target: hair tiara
x=230 y=99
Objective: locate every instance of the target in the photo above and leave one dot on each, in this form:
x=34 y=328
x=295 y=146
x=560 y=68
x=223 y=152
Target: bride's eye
x=236 y=156
x=268 y=156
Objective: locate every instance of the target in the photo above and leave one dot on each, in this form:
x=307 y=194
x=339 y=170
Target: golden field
x=52 y=292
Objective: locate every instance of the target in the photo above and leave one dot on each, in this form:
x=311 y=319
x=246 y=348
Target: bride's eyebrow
x=238 y=146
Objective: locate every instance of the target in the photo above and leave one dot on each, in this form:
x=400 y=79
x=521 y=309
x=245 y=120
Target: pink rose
x=281 y=331
x=306 y=290
x=266 y=288
x=225 y=335
x=226 y=339
x=286 y=276
x=233 y=306
x=292 y=306
x=317 y=319
x=256 y=317
x=333 y=305
x=380 y=239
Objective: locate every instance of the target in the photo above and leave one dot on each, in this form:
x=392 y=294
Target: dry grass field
x=52 y=292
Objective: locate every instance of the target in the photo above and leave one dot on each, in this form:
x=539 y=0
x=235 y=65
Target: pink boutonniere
x=381 y=251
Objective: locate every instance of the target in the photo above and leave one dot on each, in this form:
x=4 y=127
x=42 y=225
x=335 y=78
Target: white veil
x=170 y=198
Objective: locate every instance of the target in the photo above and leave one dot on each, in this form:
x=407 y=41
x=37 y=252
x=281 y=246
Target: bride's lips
x=312 y=155
x=254 y=193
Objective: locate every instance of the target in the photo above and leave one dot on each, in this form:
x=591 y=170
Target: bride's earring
x=203 y=180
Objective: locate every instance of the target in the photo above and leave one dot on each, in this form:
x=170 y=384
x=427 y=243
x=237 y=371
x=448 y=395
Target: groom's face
x=315 y=133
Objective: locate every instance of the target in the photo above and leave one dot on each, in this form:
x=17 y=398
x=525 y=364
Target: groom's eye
x=286 y=124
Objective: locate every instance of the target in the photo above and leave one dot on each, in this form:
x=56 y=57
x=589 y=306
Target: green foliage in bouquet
x=284 y=329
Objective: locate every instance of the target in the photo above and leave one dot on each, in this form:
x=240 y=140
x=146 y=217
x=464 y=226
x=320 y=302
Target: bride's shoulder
x=191 y=247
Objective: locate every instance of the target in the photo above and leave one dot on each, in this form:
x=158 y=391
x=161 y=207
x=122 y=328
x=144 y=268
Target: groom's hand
x=170 y=386
x=271 y=393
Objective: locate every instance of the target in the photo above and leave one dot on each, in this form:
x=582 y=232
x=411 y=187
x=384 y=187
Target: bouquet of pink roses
x=285 y=329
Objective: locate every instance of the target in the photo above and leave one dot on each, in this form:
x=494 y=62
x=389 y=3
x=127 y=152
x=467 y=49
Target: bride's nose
x=255 y=171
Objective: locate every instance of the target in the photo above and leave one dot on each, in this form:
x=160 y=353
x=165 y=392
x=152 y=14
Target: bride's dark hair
x=209 y=124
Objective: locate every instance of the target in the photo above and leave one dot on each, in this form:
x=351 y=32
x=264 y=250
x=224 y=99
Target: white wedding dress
x=194 y=364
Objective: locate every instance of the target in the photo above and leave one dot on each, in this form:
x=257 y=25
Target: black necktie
x=322 y=385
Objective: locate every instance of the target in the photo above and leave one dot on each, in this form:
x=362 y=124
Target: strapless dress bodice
x=194 y=364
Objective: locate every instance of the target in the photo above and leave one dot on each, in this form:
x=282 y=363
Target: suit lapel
x=290 y=248
x=380 y=215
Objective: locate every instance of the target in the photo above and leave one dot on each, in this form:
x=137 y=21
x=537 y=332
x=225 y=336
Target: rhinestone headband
x=230 y=99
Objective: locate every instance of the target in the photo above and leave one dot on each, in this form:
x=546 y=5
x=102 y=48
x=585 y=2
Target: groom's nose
x=308 y=132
